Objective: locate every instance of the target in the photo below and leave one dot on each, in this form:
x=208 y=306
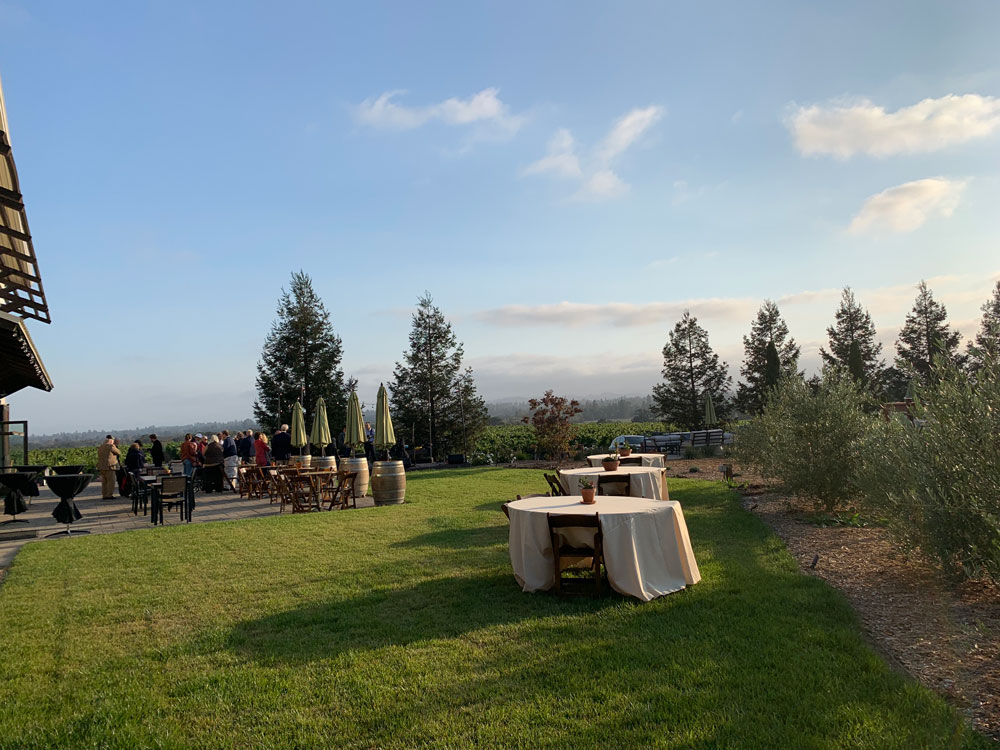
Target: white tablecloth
x=644 y=481
x=647 y=550
x=648 y=459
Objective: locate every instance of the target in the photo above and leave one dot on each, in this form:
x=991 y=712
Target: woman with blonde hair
x=262 y=451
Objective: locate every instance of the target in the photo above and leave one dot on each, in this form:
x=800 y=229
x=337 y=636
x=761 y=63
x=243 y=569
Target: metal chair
x=177 y=491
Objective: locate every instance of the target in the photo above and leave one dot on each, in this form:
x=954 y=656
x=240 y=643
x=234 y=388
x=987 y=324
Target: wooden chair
x=555 y=486
x=345 y=486
x=565 y=554
x=325 y=488
x=282 y=491
x=243 y=480
x=300 y=489
x=630 y=461
x=622 y=481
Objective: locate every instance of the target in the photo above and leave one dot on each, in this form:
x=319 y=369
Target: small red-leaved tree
x=550 y=417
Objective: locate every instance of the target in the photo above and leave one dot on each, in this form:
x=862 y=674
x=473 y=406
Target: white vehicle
x=636 y=441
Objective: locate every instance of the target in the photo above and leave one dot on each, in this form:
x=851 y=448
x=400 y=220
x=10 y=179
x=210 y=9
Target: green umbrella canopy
x=710 y=417
x=320 y=435
x=355 y=424
x=298 y=426
x=385 y=436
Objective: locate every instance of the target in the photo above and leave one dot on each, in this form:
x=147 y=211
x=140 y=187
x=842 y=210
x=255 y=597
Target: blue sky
x=564 y=177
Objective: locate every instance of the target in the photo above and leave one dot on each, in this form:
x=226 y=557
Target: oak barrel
x=388 y=482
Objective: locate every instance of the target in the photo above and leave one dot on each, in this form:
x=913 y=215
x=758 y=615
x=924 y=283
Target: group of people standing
x=216 y=455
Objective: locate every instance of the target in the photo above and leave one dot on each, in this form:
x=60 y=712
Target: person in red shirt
x=189 y=455
x=261 y=449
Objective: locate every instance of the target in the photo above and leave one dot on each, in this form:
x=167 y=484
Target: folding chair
x=555 y=485
x=621 y=481
x=565 y=554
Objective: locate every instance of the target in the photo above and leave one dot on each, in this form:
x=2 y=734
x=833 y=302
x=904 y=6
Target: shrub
x=937 y=481
x=808 y=441
x=550 y=417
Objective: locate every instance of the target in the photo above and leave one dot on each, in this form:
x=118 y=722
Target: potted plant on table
x=625 y=450
x=587 y=490
x=610 y=462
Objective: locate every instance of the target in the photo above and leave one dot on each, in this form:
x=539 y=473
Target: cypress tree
x=300 y=359
x=769 y=328
x=852 y=323
x=925 y=335
x=690 y=371
x=431 y=396
x=987 y=341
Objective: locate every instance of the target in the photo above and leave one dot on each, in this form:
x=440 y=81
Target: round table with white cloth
x=645 y=459
x=647 y=551
x=644 y=481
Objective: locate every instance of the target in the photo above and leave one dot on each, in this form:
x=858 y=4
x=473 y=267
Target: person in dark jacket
x=281 y=445
x=135 y=459
x=342 y=448
x=230 y=456
x=156 y=451
x=245 y=447
x=212 y=478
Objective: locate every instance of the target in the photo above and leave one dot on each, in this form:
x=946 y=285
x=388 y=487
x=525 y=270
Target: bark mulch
x=945 y=635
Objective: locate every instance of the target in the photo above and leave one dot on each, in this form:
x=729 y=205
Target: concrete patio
x=112 y=516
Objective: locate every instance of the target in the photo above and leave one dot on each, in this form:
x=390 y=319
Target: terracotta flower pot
x=610 y=465
x=588 y=496
x=625 y=452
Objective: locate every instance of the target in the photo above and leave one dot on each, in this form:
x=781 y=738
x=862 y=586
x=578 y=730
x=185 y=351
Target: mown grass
x=403 y=627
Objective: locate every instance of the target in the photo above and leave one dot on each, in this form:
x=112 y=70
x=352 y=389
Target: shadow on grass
x=464 y=538
x=438 y=608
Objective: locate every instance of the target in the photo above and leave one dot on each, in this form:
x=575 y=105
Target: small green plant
x=614 y=455
x=693 y=469
x=690 y=453
x=586 y=483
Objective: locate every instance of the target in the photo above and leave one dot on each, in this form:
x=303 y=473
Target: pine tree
x=465 y=415
x=430 y=394
x=300 y=359
x=772 y=366
x=987 y=341
x=690 y=371
x=856 y=363
x=854 y=324
x=767 y=328
x=925 y=335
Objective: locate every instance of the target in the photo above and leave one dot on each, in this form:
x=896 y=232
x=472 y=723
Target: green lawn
x=403 y=627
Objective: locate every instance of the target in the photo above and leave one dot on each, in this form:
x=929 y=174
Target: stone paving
x=111 y=516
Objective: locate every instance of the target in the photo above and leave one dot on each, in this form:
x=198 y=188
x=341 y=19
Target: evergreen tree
x=465 y=415
x=987 y=341
x=925 y=335
x=856 y=363
x=300 y=359
x=768 y=328
x=853 y=324
x=772 y=366
x=690 y=371
x=430 y=394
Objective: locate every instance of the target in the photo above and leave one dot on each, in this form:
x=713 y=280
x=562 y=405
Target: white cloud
x=601 y=185
x=906 y=207
x=484 y=107
x=598 y=181
x=845 y=129
x=618 y=314
x=626 y=131
x=561 y=158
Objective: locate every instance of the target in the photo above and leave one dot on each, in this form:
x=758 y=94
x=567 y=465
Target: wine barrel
x=359 y=465
x=388 y=482
x=324 y=462
x=303 y=461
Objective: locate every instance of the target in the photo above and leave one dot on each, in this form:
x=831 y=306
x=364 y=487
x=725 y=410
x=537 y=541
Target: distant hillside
x=166 y=433
x=618 y=409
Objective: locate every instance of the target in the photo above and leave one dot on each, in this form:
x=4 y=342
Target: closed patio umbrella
x=298 y=427
x=710 y=418
x=355 y=423
x=385 y=436
x=320 y=436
